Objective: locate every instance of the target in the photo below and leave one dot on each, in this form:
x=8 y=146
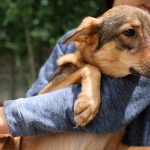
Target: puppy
x=115 y=44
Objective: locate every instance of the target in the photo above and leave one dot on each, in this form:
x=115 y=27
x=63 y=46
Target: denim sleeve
x=122 y=101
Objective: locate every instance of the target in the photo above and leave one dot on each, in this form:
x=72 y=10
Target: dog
x=114 y=44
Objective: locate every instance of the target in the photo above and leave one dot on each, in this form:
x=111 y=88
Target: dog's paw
x=61 y=61
x=85 y=108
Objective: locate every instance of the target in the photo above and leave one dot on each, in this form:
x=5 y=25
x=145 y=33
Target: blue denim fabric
x=124 y=101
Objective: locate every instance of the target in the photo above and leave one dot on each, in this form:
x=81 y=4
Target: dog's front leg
x=88 y=101
x=87 y=104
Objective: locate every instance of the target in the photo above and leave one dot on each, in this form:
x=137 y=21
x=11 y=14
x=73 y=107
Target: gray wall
x=13 y=79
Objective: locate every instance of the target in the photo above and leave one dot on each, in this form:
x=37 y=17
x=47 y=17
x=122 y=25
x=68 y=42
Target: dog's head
x=118 y=42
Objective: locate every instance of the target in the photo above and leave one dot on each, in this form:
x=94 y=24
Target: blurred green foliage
x=30 y=28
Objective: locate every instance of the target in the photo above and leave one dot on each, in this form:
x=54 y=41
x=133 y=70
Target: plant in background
x=29 y=29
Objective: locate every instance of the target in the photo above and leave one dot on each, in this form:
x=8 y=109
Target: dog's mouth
x=134 y=71
x=144 y=73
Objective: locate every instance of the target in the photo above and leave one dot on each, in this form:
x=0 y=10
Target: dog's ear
x=88 y=27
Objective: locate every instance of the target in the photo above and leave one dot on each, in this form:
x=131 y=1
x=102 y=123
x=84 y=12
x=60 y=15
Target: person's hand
x=4 y=129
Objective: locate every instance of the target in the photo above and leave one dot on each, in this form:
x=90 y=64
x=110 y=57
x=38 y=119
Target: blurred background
x=29 y=30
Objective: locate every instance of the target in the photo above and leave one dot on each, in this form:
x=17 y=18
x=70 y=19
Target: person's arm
x=121 y=98
x=4 y=129
x=122 y=101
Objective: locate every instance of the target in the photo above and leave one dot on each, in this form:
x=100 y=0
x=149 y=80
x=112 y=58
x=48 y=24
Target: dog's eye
x=129 y=32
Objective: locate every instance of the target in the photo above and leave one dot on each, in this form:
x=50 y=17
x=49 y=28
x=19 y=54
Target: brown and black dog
x=116 y=44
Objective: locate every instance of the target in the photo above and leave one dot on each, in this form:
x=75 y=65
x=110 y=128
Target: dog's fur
x=115 y=44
